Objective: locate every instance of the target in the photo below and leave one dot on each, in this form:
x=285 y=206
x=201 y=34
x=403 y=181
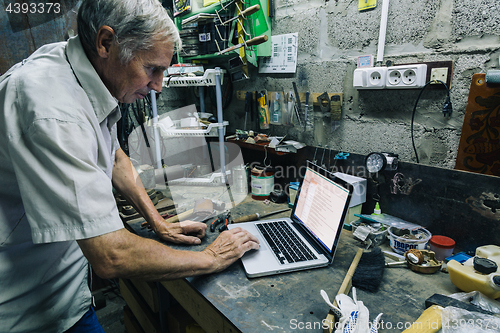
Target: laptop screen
x=321 y=205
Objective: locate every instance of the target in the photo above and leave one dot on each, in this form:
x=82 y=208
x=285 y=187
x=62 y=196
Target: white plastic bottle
x=467 y=279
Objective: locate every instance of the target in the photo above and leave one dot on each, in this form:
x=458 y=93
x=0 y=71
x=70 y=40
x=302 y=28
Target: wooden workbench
x=230 y=302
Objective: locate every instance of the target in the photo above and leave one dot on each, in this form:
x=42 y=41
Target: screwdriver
x=254 y=41
x=247 y=12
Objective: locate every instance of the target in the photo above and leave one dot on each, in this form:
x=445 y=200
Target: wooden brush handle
x=257 y=40
x=344 y=289
x=346 y=284
x=428 y=322
x=250 y=10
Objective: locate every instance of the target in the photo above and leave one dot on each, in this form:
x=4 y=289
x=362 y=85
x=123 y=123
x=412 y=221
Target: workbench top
x=292 y=302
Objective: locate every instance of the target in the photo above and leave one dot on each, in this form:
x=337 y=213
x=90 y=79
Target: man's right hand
x=230 y=246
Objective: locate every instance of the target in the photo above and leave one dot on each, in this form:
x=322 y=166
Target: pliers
x=214 y=223
x=222 y=218
x=226 y=222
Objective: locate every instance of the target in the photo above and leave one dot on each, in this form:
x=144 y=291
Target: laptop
x=316 y=221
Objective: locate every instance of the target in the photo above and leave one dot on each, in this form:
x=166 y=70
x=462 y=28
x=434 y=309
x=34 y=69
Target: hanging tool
x=257 y=216
x=297 y=97
x=324 y=102
x=243 y=14
x=298 y=106
x=248 y=107
x=242 y=34
x=306 y=109
x=295 y=108
x=335 y=112
x=254 y=41
x=264 y=120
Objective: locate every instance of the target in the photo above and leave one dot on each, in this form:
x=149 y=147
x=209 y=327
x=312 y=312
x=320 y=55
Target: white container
x=359 y=187
x=442 y=246
x=377 y=238
x=401 y=244
x=467 y=279
x=190 y=122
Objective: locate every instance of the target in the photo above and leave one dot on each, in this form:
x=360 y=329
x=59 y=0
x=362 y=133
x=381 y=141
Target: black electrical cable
x=447 y=110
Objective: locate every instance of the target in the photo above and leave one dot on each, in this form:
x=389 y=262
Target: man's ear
x=104 y=39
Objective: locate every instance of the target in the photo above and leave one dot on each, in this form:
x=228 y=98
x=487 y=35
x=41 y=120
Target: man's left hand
x=185 y=232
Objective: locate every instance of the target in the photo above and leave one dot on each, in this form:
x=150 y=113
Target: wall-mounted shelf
x=210 y=131
x=208 y=79
x=262 y=146
x=211 y=77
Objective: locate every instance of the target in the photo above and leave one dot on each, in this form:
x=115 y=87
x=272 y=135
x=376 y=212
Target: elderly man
x=60 y=159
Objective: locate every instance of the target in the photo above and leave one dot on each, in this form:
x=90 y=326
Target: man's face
x=141 y=75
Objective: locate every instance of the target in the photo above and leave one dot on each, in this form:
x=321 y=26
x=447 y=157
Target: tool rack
x=254 y=25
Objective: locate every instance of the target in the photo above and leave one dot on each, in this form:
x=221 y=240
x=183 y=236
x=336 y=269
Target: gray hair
x=138 y=25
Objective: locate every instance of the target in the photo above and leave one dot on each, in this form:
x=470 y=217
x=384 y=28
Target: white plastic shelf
x=208 y=79
x=210 y=131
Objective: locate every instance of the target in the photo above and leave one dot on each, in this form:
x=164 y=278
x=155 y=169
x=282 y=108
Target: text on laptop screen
x=320 y=206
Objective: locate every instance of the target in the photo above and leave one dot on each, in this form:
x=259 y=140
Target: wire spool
x=262 y=182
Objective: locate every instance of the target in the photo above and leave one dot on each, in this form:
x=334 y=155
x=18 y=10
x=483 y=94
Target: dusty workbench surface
x=291 y=302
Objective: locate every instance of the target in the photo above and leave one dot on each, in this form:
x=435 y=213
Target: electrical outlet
x=370 y=78
x=394 y=77
x=406 y=76
x=439 y=74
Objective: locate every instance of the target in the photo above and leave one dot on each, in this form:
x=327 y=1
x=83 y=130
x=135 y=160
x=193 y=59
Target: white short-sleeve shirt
x=57 y=146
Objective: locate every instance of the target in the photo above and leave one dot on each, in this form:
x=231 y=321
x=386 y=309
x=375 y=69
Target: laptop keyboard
x=286 y=245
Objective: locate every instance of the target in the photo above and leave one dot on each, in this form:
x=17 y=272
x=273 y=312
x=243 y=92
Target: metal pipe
x=383 y=32
x=155 y=130
x=218 y=94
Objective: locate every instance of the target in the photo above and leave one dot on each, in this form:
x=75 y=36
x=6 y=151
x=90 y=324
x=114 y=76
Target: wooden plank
x=139 y=308
x=208 y=317
x=149 y=293
x=479 y=147
x=131 y=324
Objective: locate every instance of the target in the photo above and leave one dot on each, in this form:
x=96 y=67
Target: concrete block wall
x=333 y=33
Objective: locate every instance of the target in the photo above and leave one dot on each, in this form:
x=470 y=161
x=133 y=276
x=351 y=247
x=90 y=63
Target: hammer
x=430 y=320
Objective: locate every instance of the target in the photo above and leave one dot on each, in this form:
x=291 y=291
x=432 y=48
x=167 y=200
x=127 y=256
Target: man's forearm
x=127 y=182
x=125 y=255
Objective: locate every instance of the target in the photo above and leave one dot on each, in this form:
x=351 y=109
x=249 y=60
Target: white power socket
x=406 y=76
x=370 y=78
x=439 y=74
